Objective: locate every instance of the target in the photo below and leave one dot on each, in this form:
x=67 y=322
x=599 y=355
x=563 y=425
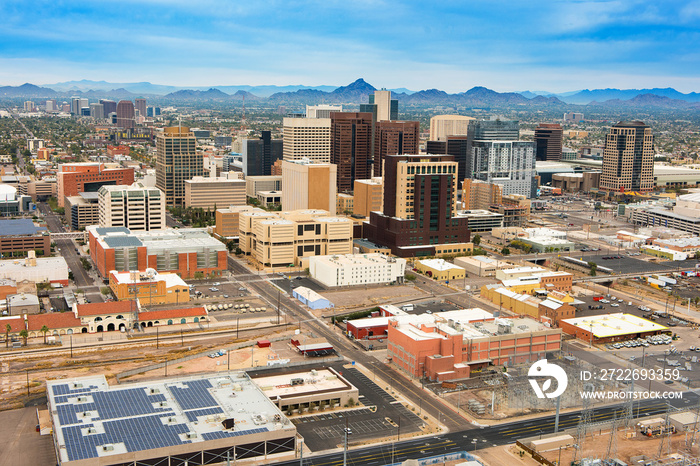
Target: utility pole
x=347 y=431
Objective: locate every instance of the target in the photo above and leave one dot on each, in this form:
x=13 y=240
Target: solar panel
x=195 y=396
x=194 y=414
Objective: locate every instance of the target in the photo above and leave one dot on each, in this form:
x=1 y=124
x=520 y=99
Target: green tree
x=593 y=267
x=24 y=334
x=44 y=330
x=85 y=263
x=8 y=327
x=476 y=240
x=505 y=251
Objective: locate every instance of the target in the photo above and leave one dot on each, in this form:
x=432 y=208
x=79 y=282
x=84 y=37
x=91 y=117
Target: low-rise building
x=310 y=298
x=208 y=193
x=43 y=269
x=299 y=392
x=149 y=287
x=186 y=251
x=440 y=269
x=344 y=203
x=608 y=328
x=167 y=421
x=356 y=269
x=255 y=184
x=481 y=220
x=270 y=198
x=438 y=349
x=481 y=266
x=278 y=239
x=22 y=304
x=21 y=236
x=227 y=220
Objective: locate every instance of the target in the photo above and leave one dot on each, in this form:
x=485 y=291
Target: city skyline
x=555 y=46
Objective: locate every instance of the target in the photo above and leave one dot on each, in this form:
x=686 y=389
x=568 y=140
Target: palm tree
x=24 y=334
x=44 y=330
x=8 y=327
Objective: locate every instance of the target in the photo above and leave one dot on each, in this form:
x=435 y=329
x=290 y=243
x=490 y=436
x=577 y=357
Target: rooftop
x=22 y=226
x=608 y=325
x=314 y=382
x=170 y=279
x=439 y=264
x=89 y=415
x=8 y=265
x=99 y=309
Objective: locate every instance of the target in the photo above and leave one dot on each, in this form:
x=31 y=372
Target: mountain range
x=357 y=92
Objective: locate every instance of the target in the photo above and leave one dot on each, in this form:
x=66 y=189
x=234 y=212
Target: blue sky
x=450 y=45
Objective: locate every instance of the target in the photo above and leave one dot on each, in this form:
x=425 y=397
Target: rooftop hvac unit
x=107 y=447
x=191 y=435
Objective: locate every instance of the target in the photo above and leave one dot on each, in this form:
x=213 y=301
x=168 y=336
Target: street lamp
x=346 y=431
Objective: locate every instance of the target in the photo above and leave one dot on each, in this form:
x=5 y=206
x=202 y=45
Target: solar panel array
x=195 y=413
x=194 y=396
x=133 y=417
x=226 y=434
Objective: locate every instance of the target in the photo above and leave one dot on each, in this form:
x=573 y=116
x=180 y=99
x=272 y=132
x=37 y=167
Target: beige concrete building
x=344 y=203
x=576 y=182
x=135 y=207
x=255 y=184
x=307 y=138
x=207 y=193
x=307 y=184
x=442 y=126
x=322 y=110
x=480 y=195
x=369 y=196
x=278 y=239
x=227 y=220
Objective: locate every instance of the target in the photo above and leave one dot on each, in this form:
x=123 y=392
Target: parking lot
x=325 y=430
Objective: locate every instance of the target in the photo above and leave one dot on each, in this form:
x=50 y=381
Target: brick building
x=186 y=251
x=75 y=178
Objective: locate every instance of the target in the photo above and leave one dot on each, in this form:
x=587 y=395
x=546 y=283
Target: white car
x=614 y=305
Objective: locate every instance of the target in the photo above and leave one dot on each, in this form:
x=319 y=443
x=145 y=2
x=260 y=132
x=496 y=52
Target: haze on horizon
x=554 y=46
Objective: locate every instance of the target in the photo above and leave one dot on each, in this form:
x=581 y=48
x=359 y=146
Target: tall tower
x=548 y=142
x=351 y=147
x=125 y=114
x=307 y=138
x=176 y=161
x=140 y=105
x=628 y=158
x=394 y=138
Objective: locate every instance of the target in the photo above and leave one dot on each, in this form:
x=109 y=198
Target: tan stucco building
x=307 y=184
x=369 y=196
x=207 y=193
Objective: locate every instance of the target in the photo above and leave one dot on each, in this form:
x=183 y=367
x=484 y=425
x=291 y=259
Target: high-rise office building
x=176 y=161
x=307 y=138
x=51 y=105
x=368 y=196
x=508 y=163
x=88 y=177
x=322 y=111
x=110 y=106
x=140 y=105
x=394 y=138
x=307 y=184
x=382 y=106
x=442 y=126
x=458 y=147
x=258 y=154
x=135 y=207
x=498 y=156
x=351 y=147
x=573 y=117
x=77 y=104
x=548 y=142
x=628 y=158
x=420 y=202
x=125 y=114
x=97 y=111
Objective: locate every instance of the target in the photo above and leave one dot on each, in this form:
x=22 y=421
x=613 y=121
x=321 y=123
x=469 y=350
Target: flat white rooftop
x=440 y=264
x=316 y=381
x=609 y=325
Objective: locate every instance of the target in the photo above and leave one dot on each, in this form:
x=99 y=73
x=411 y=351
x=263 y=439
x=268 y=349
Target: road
x=67 y=249
x=478 y=438
x=415 y=394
